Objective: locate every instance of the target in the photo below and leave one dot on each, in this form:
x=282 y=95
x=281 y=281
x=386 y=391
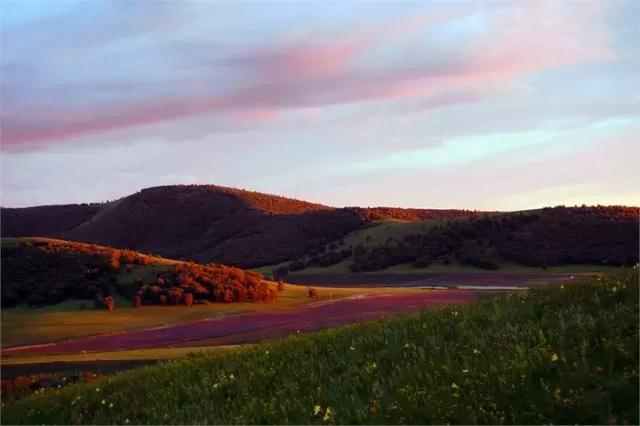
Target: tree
x=187 y=299
x=109 y=303
x=114 y=261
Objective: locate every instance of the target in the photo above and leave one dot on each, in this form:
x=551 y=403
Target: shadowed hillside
x=205 y=223
x=558 y=236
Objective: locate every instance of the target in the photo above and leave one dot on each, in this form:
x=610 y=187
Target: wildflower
x=475 y=351
x=103 y=402
x=317 y=409
x=554 y=357
x=454 y=386
x=111 y=405
x=327 y=415
x=231 y=376
x=352 y=348
x=215 y=386
x=562 y=286
x=406 y=345
x=126 y=421
x=97 y=389
x=266 y=352
x=465 y=371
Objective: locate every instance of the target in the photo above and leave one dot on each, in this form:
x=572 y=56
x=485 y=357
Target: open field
x=557 y=354
x=250 y=328
x=68 y=320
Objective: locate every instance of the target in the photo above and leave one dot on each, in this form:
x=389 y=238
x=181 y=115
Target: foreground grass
x=128 y=355
x=553 y=355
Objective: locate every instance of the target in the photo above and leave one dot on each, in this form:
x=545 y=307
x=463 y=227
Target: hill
x=550 y=237
x=205 y=223
x=557 y=355
x=39 y=271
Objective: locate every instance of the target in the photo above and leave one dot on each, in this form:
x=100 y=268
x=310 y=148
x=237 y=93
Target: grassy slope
x=563 y=355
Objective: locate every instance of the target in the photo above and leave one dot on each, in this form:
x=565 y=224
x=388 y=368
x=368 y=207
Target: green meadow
x=561 y=354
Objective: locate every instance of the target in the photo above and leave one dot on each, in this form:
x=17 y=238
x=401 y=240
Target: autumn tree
x=187 y=299
x=114 y=261
x=109 y=303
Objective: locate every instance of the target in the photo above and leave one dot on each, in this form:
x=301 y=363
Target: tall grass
x=562 y=354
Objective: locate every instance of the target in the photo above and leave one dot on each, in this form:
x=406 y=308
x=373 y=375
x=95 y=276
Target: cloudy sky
x=494 y=105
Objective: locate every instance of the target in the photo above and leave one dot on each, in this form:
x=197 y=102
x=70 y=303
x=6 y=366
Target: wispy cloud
x=310 y=73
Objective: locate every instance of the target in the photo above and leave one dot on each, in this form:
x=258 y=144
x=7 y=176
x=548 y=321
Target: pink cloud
x=318 y=73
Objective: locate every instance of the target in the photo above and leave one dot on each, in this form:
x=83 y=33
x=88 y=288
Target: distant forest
x=542 y=238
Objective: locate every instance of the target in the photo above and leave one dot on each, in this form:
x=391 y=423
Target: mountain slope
x=205 y=223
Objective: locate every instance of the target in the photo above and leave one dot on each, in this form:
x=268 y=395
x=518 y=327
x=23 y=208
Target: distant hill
x=557 y=236
x=206 y=223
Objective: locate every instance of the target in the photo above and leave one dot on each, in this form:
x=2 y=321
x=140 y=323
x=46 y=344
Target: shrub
x=313 y=293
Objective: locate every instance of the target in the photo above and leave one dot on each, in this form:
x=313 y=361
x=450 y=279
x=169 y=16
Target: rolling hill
x=604 y=236
x=206 y=223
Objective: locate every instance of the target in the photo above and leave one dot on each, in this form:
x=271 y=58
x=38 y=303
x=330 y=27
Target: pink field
x=255 y=327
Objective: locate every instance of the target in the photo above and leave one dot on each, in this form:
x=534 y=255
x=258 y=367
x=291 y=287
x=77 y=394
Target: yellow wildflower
x=317 y=409
x=554 y=357
x=327 y=415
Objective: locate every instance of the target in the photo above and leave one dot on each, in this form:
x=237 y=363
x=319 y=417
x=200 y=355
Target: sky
x=478 y=105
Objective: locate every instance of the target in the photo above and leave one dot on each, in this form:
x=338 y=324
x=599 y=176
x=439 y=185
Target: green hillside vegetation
x=563 y=355
x=556 y=237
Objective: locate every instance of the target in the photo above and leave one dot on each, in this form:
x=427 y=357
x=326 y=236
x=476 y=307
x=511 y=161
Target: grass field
x=562 y=355
x=68 y=320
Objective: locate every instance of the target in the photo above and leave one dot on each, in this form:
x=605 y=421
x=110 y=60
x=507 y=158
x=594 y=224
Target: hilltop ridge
x=205 y=223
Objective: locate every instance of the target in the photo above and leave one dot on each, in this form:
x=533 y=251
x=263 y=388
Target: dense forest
x=43 y=272
x=541 y=238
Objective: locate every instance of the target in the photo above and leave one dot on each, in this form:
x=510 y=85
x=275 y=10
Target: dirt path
x=254 y=327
